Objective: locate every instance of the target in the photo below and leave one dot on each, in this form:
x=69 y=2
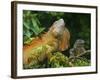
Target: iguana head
x=60 y=32
x=58 y=27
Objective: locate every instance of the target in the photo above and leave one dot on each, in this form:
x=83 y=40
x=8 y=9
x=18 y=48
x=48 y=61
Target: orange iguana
x=56 y=39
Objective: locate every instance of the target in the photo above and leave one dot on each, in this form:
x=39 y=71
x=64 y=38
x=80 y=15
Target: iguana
x=55 y=39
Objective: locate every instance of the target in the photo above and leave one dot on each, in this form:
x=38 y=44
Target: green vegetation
x=37 y=22
x=31 y=26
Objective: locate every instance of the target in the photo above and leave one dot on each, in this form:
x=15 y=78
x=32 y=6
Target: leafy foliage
x=81 y=62
x=31 y=26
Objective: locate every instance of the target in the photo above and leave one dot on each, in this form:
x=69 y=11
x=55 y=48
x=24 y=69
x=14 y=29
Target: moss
x=81 y=62
x=58 y=60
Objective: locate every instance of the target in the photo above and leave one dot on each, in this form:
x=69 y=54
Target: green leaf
x=28 y=34
x=35 y=25
x=41 y=29
x=35 y=28
x=28 y=40
x=26 y=25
